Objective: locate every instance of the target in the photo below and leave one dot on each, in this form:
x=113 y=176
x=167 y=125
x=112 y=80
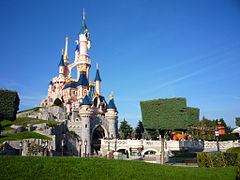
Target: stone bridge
x=130 y=147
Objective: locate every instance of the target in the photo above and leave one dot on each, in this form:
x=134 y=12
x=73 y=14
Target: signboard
x=216 y=133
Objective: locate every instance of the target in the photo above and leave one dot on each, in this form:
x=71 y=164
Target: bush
x=233 y=150
x=217 y=159
x=9 y=102
x=228 y=137
x=57 y=102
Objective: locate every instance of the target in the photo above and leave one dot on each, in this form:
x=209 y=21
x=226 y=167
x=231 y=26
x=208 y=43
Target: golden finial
x=76 y=41
x=111 y=96
x=84 y=13
x=66 y=37
x=97 y=65
x=62 y=51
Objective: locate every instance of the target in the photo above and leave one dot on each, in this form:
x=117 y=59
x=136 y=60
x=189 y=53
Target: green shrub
x=9 y=102
x=228 y=137
x=57 y=102
x=233 y=150
x=217 y=159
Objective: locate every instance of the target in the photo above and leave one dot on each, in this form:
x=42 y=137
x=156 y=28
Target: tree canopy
x=9 y=102
x=237 y=121
x=168 y=114
x=125 y=130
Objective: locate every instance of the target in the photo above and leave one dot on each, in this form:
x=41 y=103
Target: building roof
x=70 y=85
x=97 y=77
x=111 y=104
x=82 y=81
x=50 y=83
x=61 y=63
x=69 y=102
x=86 y=101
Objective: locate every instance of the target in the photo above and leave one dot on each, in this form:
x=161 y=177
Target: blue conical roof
x=70 y=85
x=111 y=104
x=50 y=83
x=69 y=102
x=82 y=81
x=84 y=27
x=61 y=63
x=86 y=101
x=97 y=77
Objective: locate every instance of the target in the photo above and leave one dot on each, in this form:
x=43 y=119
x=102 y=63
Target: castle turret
x=85 y=114
x=112 y=117
x=82 y=85
x=97 y=81
x=61 y=66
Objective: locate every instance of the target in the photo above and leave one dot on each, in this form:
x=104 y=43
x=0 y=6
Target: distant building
x=89 y=115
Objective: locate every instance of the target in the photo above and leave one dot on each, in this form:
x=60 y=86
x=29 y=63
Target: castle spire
x=84 y=26
x=66 y=50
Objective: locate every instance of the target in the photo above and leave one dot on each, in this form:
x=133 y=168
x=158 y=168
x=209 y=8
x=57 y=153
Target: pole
x=183 y=142
x=80 y=150
x=85 y=150
x=218 y=143
x=162 y=132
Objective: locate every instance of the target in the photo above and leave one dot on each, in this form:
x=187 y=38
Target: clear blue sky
x=145 y=49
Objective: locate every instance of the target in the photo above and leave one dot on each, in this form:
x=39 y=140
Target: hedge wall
x=168 y=114
x=9 y=102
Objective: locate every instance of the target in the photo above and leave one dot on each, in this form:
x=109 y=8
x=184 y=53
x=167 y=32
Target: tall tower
x=85 y=114
x=98 y=81
x=83 y=62
x=112 y=117
x=61 y=66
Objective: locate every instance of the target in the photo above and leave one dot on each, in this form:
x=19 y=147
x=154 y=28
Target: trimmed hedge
x=9 y=102
x=233 y=150
x=168 y=114
x=217 y=159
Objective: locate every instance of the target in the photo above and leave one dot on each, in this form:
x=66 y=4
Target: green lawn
x=6 y=123
x=16 y=167
x=22 y=135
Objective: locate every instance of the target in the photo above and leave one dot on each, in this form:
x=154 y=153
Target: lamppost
x=43 y=145
x=108 y=145
x=46 y=145
x=20 y=145
x=116 y=145
x=85 y=143
x=62 y=146
x=80 y=147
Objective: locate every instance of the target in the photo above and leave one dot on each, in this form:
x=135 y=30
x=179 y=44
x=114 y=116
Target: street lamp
x=80 y=147
x=43 y=145
x=62 y=146
x=108 y=145
x=20 y=145
x=85 y=143
x=46 y=145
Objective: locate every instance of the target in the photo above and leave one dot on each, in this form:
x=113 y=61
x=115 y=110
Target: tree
x=237 y=121
x=168 y=114
x=125 y=130
x=58 y=102
x=9 y=102
x=139 y=130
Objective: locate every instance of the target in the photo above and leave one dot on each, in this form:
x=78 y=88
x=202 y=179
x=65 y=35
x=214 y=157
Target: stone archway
x=97 y=135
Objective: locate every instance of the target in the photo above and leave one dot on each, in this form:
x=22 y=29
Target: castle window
x=85 y=125
x=77 y=119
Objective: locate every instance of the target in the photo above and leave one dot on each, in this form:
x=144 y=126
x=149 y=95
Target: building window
x=85 y=125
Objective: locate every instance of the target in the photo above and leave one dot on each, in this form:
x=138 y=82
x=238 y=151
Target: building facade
x=89 y=115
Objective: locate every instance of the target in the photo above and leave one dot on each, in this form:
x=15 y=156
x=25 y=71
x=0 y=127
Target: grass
x=32 y=109
x=17 y=167
x=23 y=135
x=6 y=123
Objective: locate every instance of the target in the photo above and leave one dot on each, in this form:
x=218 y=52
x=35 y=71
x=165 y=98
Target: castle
x=88 y=113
